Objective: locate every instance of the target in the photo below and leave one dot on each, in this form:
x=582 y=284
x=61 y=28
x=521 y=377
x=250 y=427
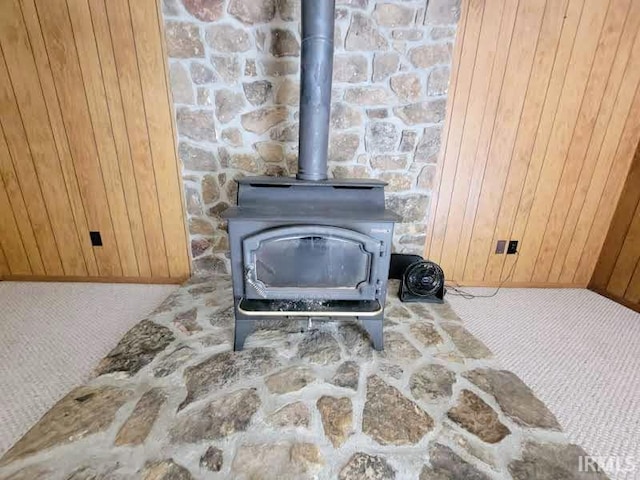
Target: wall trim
x=58 y=278
x=518 y=284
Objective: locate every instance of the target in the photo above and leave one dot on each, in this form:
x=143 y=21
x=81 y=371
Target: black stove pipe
x=316 y=69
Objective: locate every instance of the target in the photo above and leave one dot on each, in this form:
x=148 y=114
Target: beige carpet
x=579 y=351
x=52 y=334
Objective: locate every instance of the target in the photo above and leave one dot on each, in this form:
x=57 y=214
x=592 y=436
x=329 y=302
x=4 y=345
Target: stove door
x=311 y=261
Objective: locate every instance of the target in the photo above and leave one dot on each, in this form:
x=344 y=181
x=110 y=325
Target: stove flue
x=316 y=70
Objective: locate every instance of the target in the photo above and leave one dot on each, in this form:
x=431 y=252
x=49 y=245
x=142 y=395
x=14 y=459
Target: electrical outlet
x=513 y=247
x=500 y=246
x=96 y=239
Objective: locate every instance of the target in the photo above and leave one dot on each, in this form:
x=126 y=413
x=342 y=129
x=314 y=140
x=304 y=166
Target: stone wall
x=234 y=68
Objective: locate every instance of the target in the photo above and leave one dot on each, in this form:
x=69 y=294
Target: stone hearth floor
x=173 y=402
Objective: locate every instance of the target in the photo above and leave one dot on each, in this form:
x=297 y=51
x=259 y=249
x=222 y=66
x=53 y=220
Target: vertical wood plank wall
x=87 y=143
x=543 y=124
x=617 y=273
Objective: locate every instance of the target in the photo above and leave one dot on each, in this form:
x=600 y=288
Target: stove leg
x=243 y=329
x=373 y=327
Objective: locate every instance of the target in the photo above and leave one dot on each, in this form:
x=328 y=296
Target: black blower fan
x=422 y=280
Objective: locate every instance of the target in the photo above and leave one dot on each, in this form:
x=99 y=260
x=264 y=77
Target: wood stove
x=309 y=246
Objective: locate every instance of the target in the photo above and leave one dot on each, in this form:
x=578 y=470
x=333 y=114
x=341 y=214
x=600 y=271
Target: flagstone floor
x=172 y=401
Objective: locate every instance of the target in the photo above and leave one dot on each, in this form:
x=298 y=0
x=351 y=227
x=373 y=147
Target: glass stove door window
x=312 y=261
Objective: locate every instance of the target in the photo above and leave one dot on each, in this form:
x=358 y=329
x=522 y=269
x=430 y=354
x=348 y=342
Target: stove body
x=309 y=249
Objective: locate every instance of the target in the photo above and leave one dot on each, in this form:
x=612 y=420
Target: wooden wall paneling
x=630 y=194
x=466 y=46
x=589 y=108
x=87 y=143
x=507 y=121
x=157 y=100
x=597 y=192
x=632 y=294
x=85 y=45
x=30 y=17
x=547 y=45
x=134 y=112
x=608 y=199
x=627 y=258
x=13 y=256
x=30 y=98
x=488 y=56
x=631 y=28
x=118 y=124
x=16 y=257
x=620 y=224
x=617 y=272
x=179 y=234
x=483 y=75
x=455 y=70
x=542 y=156
x=487 y=121
x=22 y=160
x=557 y=147
x=562 y=54
x=63 y=58
x=484 y=53
x=18 y=207
x=4 y=266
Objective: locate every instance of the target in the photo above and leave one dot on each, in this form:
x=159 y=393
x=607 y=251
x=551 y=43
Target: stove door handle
x=309 y=313
x=248 y=275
